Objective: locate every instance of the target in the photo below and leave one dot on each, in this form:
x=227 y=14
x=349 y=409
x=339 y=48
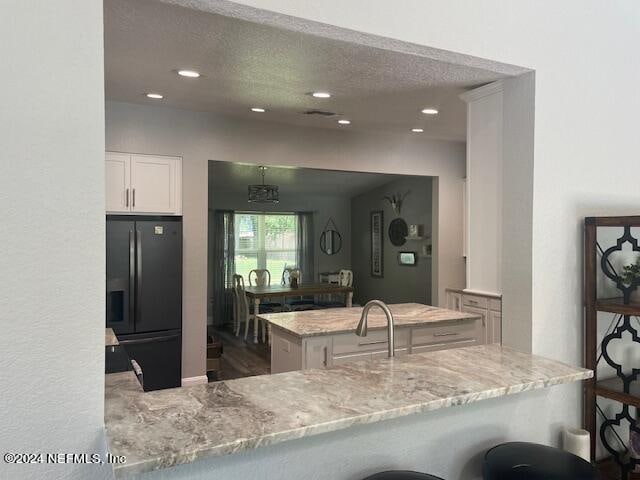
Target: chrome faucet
x=361 y=330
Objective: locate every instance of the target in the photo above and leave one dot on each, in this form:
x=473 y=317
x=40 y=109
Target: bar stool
x=530 y=461
x=401 y=475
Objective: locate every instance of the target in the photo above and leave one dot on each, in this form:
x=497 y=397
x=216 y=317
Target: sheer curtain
x=223 y=266
x=305 y=246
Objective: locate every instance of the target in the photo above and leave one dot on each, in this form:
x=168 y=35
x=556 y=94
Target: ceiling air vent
x=320 y=112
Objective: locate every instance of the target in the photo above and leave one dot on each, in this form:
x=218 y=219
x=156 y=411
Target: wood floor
x=239 y=358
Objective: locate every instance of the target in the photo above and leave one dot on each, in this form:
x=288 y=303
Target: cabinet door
x=454 y=301
x=494 y=327
x=482 y=324
x=117 y=182
x=316 y=352
x=155 y=184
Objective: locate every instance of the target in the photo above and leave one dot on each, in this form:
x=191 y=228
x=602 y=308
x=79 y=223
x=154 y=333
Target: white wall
x=52 y=256
x=199 y=137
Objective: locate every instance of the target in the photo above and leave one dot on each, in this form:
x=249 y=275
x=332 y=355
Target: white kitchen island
x=326 y=338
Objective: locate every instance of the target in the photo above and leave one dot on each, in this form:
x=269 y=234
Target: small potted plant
x=631 y=275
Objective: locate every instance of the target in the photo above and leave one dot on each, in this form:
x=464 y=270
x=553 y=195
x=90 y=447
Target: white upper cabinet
x=154 y=184
x=117 y=175
x=143 y=184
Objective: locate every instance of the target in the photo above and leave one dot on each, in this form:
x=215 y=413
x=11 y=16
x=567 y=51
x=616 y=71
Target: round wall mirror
x=398 y=231
x=330 y=242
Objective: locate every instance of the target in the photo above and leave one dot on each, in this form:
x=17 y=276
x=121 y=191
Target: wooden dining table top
x=303 y=289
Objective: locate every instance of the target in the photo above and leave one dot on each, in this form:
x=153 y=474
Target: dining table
x=257 y=293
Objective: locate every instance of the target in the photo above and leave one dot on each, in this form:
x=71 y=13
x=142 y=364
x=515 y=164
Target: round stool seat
x=530 y=461
x=401 y=475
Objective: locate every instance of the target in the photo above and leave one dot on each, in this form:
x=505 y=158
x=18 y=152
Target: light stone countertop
x=474 y=293
x=110 y=339
x=160 y=429
x=345 y=320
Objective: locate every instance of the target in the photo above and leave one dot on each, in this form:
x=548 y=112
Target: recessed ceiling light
x=188 y=73
x=430 y=111
x=321 y=94
x=417 y=130
x=258 y=109
x=344 y=122
x=155 y=96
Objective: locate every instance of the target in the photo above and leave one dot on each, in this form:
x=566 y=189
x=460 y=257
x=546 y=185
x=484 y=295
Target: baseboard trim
x=189 y=381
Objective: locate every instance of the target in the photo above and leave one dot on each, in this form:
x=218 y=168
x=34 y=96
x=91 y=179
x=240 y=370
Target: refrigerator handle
x=132 y=278
x=138 y=272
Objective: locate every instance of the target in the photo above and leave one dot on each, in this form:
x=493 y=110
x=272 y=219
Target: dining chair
x=242 y=310
x=288 y=273
x=262 y=278
x=299 y=303
x=240 y=305
x=345 y=279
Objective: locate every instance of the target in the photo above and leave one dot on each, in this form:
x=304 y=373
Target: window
x=265 y=241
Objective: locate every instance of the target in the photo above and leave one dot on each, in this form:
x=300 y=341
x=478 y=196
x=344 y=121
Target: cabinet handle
x=133 y=203
x=446 y=334
x=472 y=302
x=325 y=357
x=377 y=342
x=126 y=198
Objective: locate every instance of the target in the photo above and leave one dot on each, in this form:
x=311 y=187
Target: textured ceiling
x=247 y=64
x=234 y=177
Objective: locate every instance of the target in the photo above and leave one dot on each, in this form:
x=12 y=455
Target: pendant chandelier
x=263 y=193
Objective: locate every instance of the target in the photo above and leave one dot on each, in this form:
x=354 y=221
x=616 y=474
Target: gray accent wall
x=400 y=283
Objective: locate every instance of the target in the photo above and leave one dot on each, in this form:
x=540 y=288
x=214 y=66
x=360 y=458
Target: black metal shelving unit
x=623 y=387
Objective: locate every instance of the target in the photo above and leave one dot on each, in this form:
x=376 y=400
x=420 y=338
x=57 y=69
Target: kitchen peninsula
x=160 y=429
x=325 y=338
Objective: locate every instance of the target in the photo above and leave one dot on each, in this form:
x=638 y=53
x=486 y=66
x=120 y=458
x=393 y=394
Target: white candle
x=577 y=441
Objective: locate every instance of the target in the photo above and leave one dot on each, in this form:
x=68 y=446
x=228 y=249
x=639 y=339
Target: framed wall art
x=377 y=243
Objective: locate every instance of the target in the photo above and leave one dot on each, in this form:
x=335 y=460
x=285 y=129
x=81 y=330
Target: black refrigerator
x=144 y=294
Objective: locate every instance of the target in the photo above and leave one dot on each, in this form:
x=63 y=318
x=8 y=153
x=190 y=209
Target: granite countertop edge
x=242 y=443
x=300 y=324
x=370 y=328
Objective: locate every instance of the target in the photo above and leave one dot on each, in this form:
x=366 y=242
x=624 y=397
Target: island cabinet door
x=286 y=352
x=317 y=352
x=494 y=327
